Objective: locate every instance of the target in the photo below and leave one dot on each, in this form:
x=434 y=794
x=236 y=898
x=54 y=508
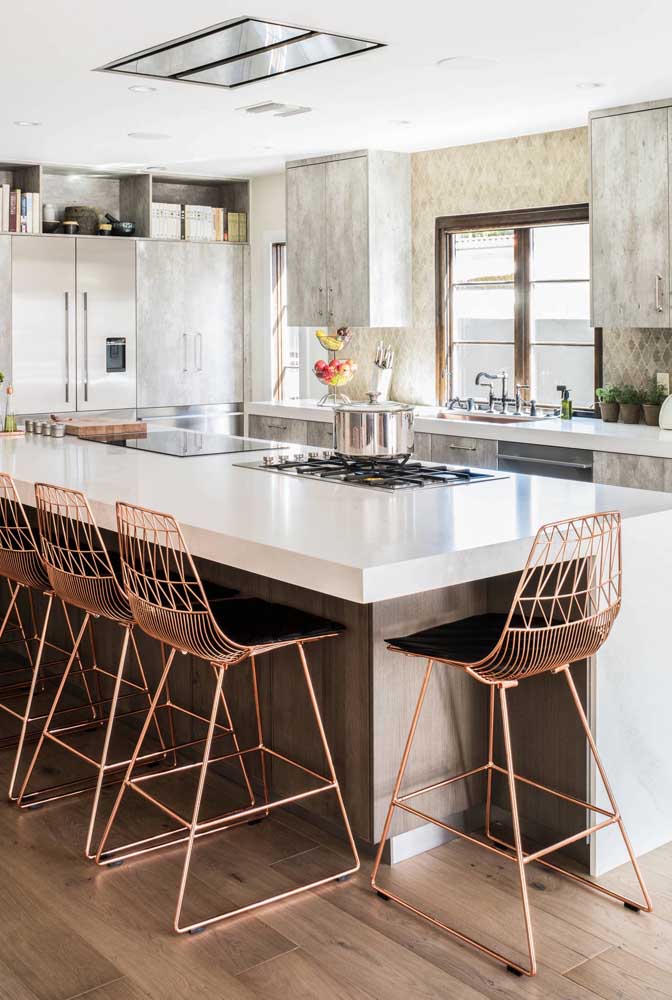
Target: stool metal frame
x=169 y=603
x=22 y=566
x=81 y=575
x=566 y=602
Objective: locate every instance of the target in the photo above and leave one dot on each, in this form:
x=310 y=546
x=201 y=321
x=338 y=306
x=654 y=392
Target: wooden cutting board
x=85 y=427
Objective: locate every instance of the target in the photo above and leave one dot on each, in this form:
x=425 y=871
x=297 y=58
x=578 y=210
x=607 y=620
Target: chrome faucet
x=489 y=386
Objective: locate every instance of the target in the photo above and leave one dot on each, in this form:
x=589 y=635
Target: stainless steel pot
x=373 y=430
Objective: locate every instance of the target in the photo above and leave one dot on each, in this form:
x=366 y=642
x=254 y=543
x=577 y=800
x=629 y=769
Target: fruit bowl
x=335 y=372
x=334 y=341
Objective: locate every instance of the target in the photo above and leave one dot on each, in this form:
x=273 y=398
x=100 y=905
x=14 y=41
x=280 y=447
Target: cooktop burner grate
x=387 y=475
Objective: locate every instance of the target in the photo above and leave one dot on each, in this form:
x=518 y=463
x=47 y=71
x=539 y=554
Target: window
x=285 y=339
x=515 y=296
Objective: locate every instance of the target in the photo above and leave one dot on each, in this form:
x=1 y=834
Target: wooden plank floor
x=68 y=929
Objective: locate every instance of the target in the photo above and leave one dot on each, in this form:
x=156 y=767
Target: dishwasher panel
x=545 y=460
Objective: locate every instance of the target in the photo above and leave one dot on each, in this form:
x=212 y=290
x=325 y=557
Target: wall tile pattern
x=526 y=172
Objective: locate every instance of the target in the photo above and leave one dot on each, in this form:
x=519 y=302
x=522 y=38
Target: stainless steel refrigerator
x=73 y=323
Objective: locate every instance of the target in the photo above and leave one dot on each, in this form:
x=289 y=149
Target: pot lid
x=375 y=405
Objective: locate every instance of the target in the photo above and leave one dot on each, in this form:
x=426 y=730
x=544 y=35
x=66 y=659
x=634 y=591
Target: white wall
x=267 y=226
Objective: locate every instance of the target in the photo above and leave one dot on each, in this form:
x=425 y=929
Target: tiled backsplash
x=635 y=355
x=529 y=171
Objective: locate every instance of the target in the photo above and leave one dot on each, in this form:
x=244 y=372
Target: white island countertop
x=358 y=544
x=580 y=432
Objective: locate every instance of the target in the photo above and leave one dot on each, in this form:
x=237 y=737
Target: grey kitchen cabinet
x=349 y=240
x=642 y=472
x=105 y=324
x=422 y=449
x=278 y=429
x=307 y=246
x=630 y=216
x=477 y=452
x=320 y=433
x=43 y=323
x=190 y=317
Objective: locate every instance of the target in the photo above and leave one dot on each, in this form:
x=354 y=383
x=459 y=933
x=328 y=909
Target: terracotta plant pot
x=631 y=412
x=609 y=412
x=651 y=414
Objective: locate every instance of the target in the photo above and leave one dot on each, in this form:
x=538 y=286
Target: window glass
x=561 y=252
x=483 y=257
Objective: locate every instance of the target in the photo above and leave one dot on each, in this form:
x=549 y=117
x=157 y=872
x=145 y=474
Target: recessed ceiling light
x=466 y=62
x=589 y=86
x=263 y=149
x=27 y=124
x=402 y=122
x=149 y=136
x=142 y=90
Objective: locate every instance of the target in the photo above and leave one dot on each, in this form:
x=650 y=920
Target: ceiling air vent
x=279 y=110
x=240 y=51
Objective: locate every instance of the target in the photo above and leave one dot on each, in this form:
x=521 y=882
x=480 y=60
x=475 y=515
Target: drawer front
x=278 y=429
x=320 y=434
x=642 y=472
x=464 y=451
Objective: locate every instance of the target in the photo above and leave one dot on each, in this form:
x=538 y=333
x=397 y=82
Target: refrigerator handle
x=198 y=351
x=86 y=347
x=67 y=347
x=185 y=348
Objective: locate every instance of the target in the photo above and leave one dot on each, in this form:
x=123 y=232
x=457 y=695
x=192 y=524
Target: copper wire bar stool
x=22 y=566
x=566 y=602
x=156 y=565
x=82 y=573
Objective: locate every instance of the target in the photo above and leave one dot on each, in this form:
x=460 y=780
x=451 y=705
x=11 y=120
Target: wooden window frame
x=521 y=221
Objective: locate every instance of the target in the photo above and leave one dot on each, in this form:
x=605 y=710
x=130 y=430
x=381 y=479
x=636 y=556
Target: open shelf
x=125 y=196
x=26 y=176
x=229 y=195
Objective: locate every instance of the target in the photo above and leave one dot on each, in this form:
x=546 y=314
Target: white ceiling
x=541 y=52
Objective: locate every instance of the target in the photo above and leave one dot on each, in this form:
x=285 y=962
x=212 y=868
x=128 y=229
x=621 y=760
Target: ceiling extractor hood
x=240 y=51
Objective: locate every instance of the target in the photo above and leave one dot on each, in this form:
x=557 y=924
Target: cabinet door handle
x=320 y=307
x=330 y=304
x=185 y=367
x=659 y=287
x=86 y=347
x=198 y=352
x=463 y=447
x=67 y=347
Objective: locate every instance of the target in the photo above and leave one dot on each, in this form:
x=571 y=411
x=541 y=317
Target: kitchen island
x=386 y=564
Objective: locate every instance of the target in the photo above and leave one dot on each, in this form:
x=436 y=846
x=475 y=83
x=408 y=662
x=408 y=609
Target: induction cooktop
x=182 y=443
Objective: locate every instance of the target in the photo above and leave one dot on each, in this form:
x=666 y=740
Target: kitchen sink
x=492 y=418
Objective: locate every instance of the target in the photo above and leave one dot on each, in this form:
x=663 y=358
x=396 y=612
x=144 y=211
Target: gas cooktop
x=386 y=474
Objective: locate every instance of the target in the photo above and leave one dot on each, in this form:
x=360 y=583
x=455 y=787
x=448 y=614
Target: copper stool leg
x=399 y=802
x=31 y=694
x=648 y=907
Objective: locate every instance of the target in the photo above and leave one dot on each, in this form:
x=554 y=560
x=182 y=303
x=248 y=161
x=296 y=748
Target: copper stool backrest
x=20 y=558
x=164 y=587
x=77 y=561
x=566 y=602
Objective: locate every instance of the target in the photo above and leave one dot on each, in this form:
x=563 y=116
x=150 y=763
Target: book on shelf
x=19 y=210
x=197 y=222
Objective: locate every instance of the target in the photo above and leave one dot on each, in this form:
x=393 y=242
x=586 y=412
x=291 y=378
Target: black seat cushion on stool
x=249 y=621
x=465 y=641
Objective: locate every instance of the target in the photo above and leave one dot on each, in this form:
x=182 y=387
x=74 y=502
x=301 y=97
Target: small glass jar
x=46 y=428
x=58 y=430
x=28 y=426
x=38 y=426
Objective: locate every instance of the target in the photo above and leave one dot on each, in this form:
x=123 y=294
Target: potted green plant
x=630 y=400
x=609 y=406
x=654 y=397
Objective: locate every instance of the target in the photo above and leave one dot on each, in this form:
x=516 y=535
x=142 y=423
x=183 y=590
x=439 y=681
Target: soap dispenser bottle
x=565 y=402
